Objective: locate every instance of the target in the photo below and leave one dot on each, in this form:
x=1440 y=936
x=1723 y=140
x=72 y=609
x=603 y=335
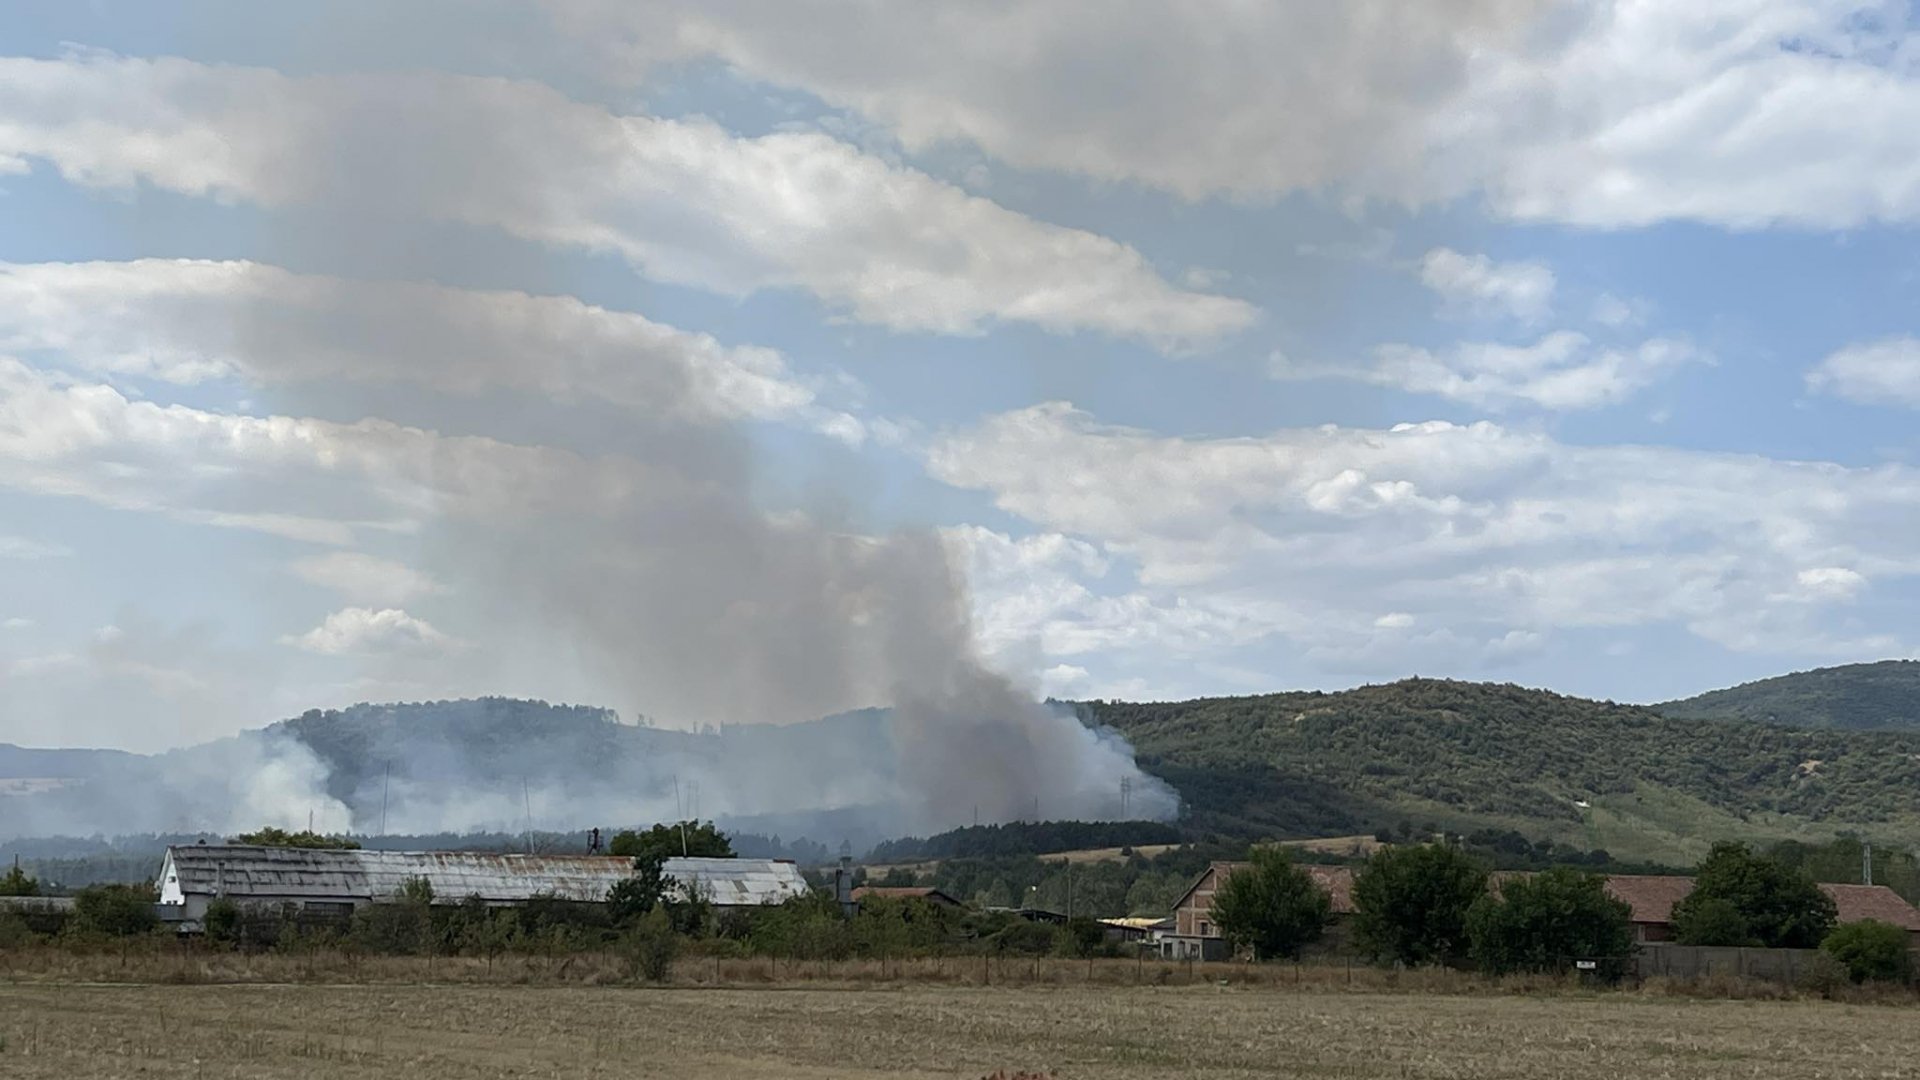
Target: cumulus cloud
x=1313 y=533
x=1562 y=371
x=358 y=630
x=1478 y=285
x=1885 y=372
x=684 y=201
x=1609 y=114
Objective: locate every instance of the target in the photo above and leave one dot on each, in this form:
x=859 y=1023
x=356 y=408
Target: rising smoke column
x=645 y=556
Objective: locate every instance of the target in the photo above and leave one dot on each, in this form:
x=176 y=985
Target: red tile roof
x=1651 y=896
x=1857 y=902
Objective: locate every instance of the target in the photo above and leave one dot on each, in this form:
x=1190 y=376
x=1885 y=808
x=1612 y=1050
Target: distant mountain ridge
x=1857 y=697
x=1461 y=756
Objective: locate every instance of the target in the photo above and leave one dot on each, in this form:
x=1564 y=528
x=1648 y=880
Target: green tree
x=1272 y=907
x=1541 y=922
x=649 y=946
x=1782 y=907
x=221 y=923
x=637 y=896
x=1871 y=950
x=1411 y=903
x=269 y=836
x=1715 y=920
x=16 y=883
x=692 y=839
x=116 y=910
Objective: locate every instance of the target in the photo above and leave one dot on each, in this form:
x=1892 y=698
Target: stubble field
x=430 y=1032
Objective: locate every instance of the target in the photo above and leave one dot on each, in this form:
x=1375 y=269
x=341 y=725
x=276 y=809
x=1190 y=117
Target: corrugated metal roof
x=305 y=873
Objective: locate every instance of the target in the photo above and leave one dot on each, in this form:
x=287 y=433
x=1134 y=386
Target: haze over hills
x=1639 y=782
x=1877 y=696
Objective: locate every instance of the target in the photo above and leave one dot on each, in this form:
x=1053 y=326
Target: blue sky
x=1222 y=349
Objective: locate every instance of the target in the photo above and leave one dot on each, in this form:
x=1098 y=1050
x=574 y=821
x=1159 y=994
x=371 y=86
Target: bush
x=649 y=946
x=398 y=928
x=1411 y=903
x=16 y=882
x=221 y=922
x=1823 y=975
x=115 y=910
x=1272 y=907
x=1543 y=922
x=1025 y=938
x=1871 y=950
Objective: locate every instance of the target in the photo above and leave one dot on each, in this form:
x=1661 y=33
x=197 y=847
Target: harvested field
x=296 y=1032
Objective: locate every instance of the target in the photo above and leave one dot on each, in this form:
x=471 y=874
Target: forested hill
x=1858 y=697
x=1471 y=755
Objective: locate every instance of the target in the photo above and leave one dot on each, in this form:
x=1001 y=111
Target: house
x=333 y=882
x=908 y=892
x=1653 y=896
x=1193 y=935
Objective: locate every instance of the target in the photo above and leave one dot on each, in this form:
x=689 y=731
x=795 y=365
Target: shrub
x=1542 y=922
x=221 y=922
x=1025 y=938
x=1870 y=950
x=1272 y=907
x=1822 y=975
x=1411 y=903
x=649 y=946
x=115 y=910
x=16 y=882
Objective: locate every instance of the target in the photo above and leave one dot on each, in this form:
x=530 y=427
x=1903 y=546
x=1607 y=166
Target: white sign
x=1586 y=965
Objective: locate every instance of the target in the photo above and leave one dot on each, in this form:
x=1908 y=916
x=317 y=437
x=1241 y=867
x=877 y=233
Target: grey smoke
x=654 y=569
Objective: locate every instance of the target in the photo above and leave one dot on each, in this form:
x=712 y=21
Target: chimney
x=843 y=880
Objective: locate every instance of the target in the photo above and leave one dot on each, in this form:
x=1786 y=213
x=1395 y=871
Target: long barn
x=335 y=882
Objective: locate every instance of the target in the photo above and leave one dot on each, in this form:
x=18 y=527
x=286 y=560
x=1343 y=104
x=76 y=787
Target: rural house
x=1650 y=896
x=334 y=882
x=1194 y=936
x=1653 y=896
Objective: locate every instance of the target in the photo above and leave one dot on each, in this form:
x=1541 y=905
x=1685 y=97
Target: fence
x=1694 y=961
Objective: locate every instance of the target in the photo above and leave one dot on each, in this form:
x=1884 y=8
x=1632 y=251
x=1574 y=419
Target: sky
x=1211 y=348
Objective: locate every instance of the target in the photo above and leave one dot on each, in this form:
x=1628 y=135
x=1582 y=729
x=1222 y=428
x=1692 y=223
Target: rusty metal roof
x=329 y=874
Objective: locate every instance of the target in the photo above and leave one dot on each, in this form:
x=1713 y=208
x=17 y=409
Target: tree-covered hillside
x=1460 y=756
x=1857 y=697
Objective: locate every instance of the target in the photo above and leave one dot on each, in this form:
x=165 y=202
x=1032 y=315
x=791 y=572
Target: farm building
x=1651 y=898
x=1142 y=930
x=1194 y=936
x=335 y=882
x=905 y=892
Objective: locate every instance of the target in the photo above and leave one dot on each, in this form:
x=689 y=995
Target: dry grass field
x=307 y=1032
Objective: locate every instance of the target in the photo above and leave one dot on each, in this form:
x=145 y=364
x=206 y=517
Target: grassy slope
x=1885 y=695
x=1473 y=755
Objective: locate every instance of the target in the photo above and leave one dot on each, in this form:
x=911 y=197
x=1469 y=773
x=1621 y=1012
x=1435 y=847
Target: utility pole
x=526 y=794
x=1866 y=862
x=386 y=781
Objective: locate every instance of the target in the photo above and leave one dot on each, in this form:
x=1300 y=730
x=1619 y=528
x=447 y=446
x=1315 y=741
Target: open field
x=54 y=1030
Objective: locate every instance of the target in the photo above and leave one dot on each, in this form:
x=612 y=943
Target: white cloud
x=19 y=547
x=185 y=320
x=365 y=579
x=1615 y=113
x=1477 y=284
x=1397 y=620
x=17 y=622
x=682 y=200
x=1618 y=313
x=1494 y=535
x=1564 y=370
x=364 y=630
x=1885 y=372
